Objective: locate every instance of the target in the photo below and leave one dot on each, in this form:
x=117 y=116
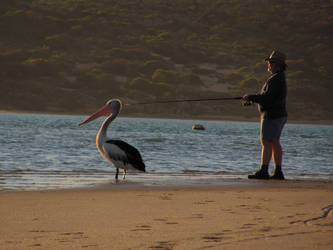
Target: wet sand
x=270 y=215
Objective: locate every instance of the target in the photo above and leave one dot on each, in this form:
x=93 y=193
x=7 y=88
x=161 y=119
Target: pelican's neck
x=102 y=133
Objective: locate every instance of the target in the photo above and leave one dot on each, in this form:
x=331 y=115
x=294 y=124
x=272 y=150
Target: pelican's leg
x=124 y=175
x=117 y=172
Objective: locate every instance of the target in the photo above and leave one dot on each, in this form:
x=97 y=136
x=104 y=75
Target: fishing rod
x=189 y=100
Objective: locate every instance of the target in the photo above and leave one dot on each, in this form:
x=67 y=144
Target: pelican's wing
x=122 y=151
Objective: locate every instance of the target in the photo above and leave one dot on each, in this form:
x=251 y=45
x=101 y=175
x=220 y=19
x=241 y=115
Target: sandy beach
x=272 y=215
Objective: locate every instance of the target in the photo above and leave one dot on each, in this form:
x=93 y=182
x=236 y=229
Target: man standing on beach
x=272 y=108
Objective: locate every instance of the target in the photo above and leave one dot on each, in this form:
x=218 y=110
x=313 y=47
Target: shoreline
x=269 y=217
x=190 y=183
x=248 y=185
x=201 y=118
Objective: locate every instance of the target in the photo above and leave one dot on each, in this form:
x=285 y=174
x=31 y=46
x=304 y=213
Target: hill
x=70 y=56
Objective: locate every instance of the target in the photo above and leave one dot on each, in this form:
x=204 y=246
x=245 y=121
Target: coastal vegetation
x=69 y=56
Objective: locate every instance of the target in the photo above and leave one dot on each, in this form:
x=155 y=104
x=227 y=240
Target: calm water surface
x=39 y=152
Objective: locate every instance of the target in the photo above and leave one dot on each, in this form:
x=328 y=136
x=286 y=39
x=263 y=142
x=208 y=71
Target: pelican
x=119 y=153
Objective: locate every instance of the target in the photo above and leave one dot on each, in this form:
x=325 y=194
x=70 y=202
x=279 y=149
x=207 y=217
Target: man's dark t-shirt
x=272 y=97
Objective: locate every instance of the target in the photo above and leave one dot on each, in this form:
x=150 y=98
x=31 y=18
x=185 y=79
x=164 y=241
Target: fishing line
x=189 y=100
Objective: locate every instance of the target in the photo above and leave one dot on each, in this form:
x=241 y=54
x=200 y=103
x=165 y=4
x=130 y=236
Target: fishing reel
x=247 y=103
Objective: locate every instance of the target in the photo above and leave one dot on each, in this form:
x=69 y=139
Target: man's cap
x=277 y=57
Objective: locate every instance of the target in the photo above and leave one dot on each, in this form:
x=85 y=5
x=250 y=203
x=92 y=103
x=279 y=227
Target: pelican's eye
x=108 y=102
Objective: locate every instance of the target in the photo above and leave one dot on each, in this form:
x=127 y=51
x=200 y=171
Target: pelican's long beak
x=105 y=110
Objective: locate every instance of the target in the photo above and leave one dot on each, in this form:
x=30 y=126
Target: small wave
x=155 y=139
x=309 y=136
x=209 y=172
x=54 y=172
x=191 y=171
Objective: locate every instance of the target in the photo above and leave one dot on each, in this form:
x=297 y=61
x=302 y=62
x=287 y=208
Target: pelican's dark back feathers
x=133 y=156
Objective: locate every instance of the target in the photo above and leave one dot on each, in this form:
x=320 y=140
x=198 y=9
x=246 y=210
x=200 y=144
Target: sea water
x=39 y=152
